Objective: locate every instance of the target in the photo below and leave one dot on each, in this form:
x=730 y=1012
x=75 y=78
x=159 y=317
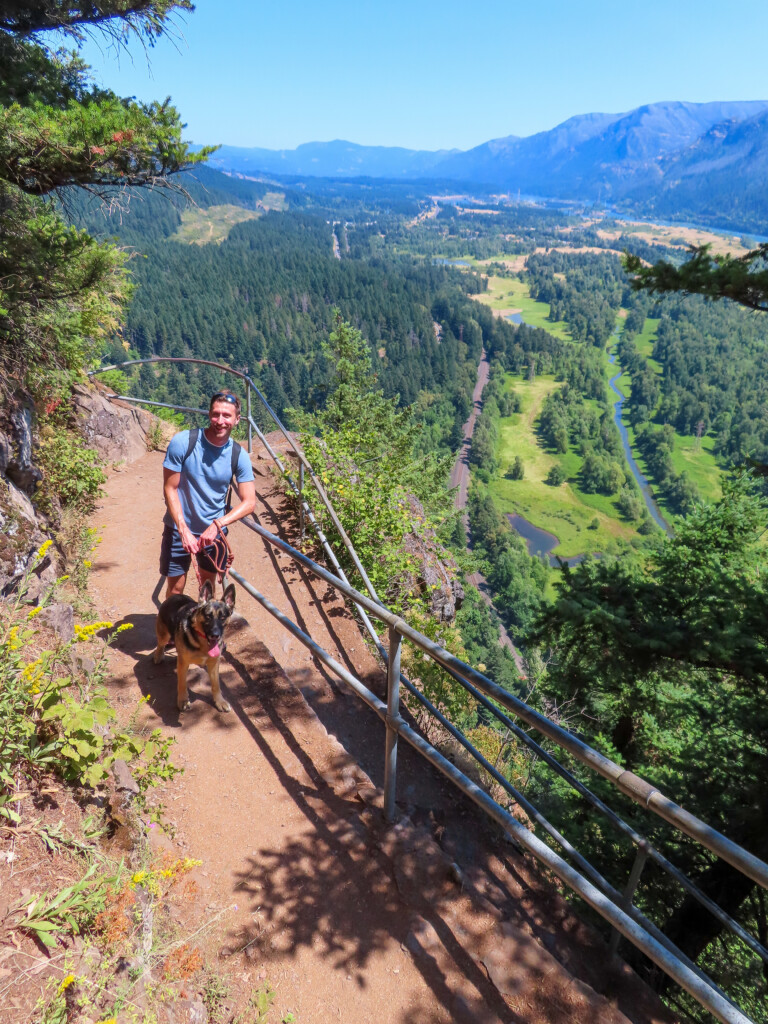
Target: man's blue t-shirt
x=204 y=479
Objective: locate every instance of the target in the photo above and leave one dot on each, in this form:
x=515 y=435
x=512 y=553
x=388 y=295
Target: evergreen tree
x=61 y=292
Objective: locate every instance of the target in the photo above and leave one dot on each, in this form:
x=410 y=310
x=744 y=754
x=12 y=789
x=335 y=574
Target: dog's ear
x=229 y=596
x=206 y=592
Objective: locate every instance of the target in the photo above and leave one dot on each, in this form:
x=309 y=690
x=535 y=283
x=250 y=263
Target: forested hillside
x=426 y=285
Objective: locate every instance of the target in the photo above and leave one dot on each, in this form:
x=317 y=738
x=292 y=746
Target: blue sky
x=436 y=75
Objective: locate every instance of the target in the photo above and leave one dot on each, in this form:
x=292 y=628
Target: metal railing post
x=301 y=502
x=250 y=428
x=629 y=893
x=393 y=718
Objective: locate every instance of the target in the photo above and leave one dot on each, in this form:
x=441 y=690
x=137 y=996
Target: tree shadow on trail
x=333 y=890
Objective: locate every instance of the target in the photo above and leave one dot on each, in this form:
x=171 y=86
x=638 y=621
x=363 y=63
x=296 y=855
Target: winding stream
x=642 y=482
x=541 y=542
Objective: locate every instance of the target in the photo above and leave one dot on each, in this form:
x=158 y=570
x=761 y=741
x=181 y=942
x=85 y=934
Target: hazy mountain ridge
x=673 y=159
x=337 y=159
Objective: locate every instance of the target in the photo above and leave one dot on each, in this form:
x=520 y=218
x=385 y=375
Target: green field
x=200 y=227
x=564 y=511
x=505 y=293
x=644 y=342
x=274 y=201
x=694 y=457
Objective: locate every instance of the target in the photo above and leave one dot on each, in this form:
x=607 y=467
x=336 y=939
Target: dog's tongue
x=215 y=651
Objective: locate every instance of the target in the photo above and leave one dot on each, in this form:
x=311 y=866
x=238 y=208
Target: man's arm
x=247 y=493
x=171 y=491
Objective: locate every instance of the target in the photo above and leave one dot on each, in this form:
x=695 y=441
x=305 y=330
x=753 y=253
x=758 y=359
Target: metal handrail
x=637 y=929
x=483 y=688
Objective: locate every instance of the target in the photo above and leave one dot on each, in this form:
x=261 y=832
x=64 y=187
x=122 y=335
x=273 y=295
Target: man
x=195 y=485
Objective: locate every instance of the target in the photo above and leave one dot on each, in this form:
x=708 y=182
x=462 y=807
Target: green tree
x=61 y=292
x=362 y=444
x=669 y=659
x=744 y=279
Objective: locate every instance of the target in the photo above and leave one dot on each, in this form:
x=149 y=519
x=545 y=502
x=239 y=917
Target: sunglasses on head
x=224 y=397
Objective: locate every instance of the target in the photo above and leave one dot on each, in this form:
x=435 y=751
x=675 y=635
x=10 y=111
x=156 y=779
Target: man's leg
x=175 y=585
x=174 y=561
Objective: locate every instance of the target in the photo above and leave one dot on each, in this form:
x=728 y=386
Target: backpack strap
x=236 y=449
x=194 y=434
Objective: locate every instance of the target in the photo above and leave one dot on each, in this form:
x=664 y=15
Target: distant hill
x=336 y=159
x=721 y=178
x=594 y=155
x=701 y=161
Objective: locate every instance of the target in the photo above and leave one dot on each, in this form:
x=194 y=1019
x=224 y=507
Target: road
x=460 y=480
x=460 y=472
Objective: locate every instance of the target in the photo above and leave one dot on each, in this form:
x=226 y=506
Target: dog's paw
x=222 y=705
x=184 y=705
x=157 y=655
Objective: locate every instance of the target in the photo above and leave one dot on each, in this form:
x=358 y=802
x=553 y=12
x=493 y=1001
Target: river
x=642 y=482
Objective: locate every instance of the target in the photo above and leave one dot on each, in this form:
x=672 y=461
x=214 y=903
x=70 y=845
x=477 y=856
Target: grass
x=201 y=227
x=678 y=235
x=644 y=343
x=694 y=457
x=564 y=511
x=274 y=201
x=506 y=293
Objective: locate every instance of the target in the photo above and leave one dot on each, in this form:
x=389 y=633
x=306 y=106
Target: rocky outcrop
x=22 y=531
x=117 y=430
x=438 y=574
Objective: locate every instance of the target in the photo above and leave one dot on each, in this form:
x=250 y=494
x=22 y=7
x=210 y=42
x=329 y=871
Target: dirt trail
x=302 y=883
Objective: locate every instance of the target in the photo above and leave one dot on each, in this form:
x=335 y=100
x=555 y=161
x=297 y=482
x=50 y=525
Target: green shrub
x=72 y=474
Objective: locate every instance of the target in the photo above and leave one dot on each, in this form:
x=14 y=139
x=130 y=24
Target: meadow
x=565 y=511
x=691 y=455
x=509 y=295
x=212 y=225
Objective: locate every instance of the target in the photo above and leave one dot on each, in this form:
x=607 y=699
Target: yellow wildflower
x=86 y=633
x=35 y=611
x=67 y=982
x=86 y=563
x=138 y=877
x=109 y=1020
x=122 y=629
x=43 y=550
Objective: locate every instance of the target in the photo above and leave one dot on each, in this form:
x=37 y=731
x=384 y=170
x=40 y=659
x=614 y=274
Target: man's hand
x=208 y=536
x=190 y=543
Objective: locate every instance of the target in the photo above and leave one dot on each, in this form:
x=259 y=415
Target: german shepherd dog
x=197 y=629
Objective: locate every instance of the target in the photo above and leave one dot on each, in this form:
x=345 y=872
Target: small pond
x=539 y=542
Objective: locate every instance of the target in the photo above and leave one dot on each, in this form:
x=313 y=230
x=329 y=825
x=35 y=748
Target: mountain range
x=705 y=161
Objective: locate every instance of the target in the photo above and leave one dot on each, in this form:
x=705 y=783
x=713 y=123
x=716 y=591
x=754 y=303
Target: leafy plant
x=215 y=993
x=70 y=909
x=73 y=477
x=155 y=437
x=362 y=447
x=259 y=1004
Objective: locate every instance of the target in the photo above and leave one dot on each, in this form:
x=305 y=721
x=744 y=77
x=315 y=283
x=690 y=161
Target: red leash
x=222 y=556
